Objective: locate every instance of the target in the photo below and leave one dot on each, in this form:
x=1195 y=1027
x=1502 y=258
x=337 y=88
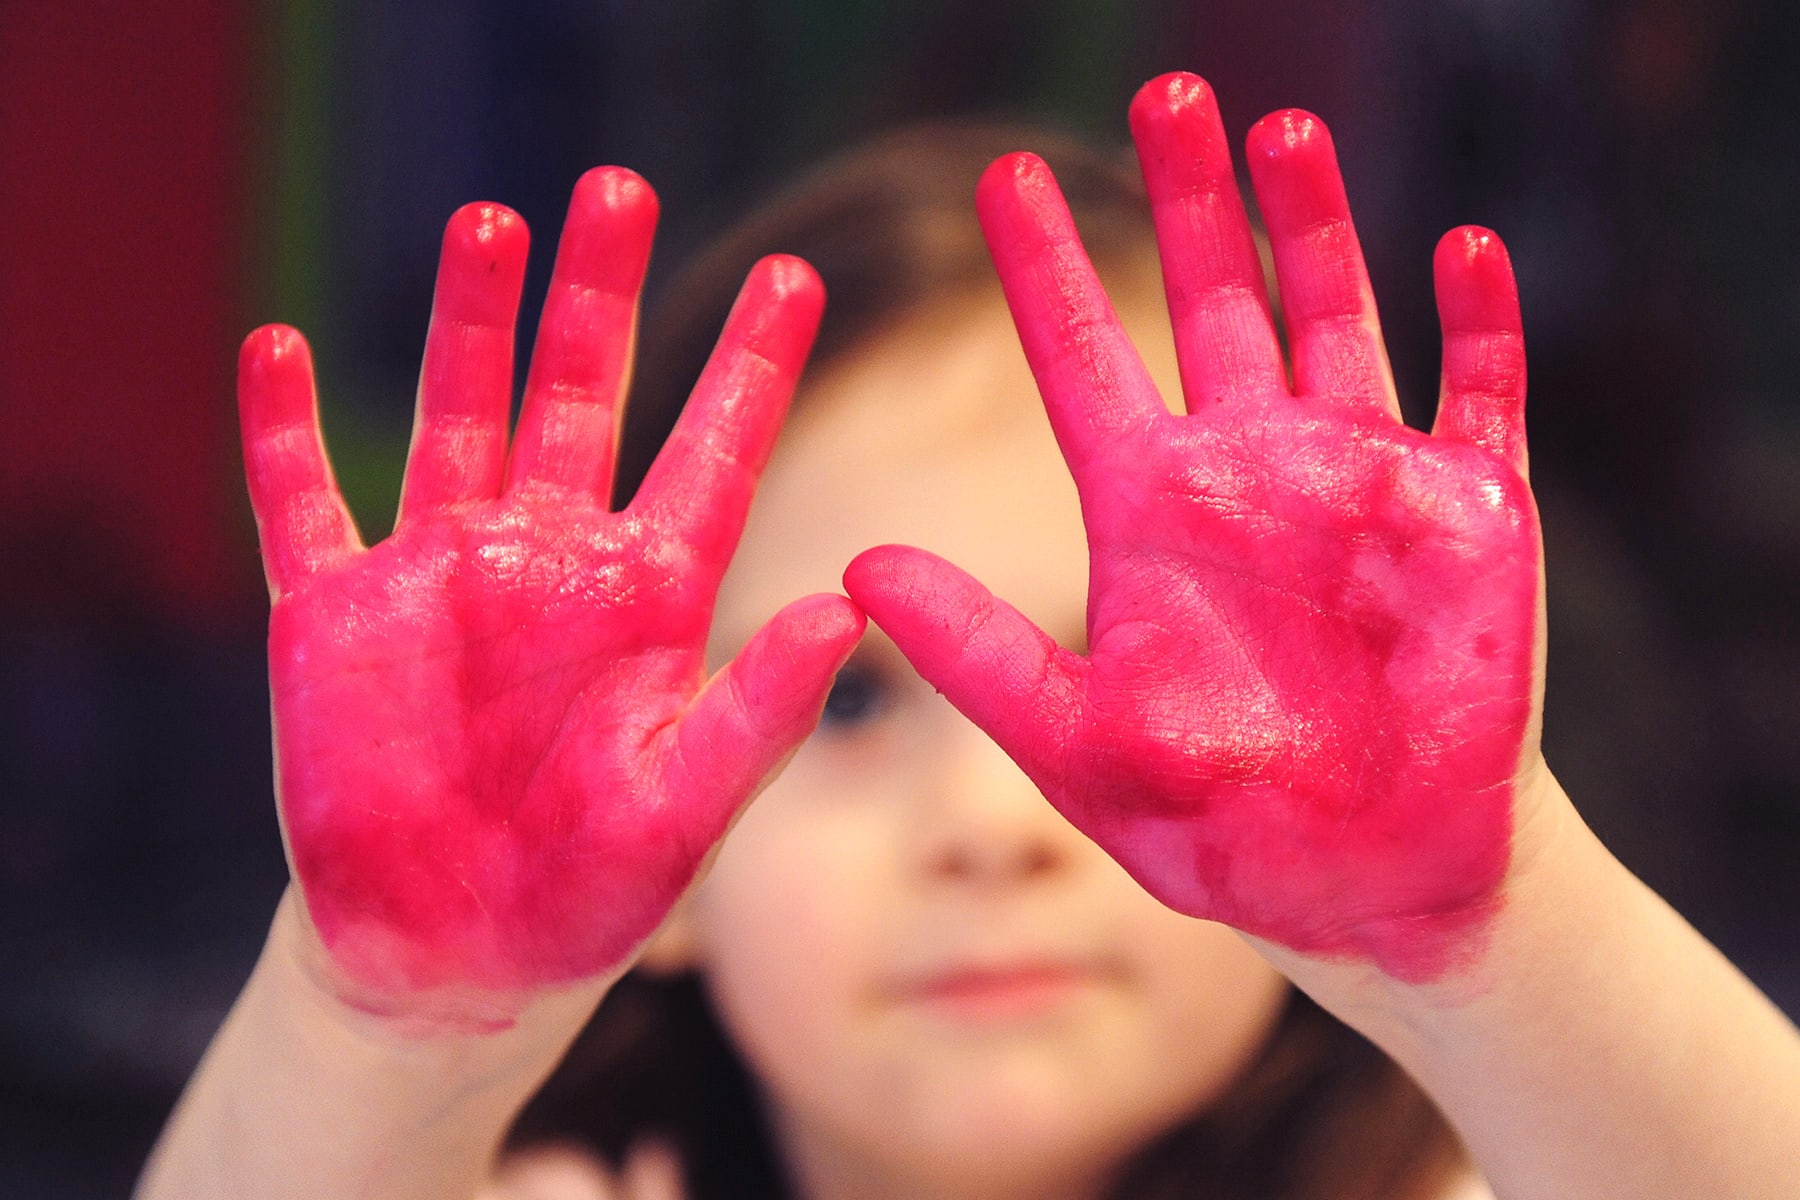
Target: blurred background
x=173 y=172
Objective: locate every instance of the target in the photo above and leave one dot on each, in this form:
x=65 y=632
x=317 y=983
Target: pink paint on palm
x=499 y=762
x=1310 y=682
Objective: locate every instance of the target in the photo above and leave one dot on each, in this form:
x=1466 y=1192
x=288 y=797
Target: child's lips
x=1001 y=992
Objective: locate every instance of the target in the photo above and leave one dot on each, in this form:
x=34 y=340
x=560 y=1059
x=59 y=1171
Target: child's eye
x=858 y=694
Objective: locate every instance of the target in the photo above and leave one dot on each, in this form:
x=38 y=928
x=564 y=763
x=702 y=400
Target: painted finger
x=465 y=389
x=579 y=367
x=755 y=712
x=1224 y=336
x=998 y=668
x=301 y=520
x=1334 y=335
x=700 y=485
x=1481 y=399
x=1092 y=380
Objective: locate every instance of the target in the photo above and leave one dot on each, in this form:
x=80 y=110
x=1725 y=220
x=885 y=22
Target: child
x=1297 y=690
x=911 y=286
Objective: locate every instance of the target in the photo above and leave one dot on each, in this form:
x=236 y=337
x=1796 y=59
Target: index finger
x=700 y=485
x=1091 y=378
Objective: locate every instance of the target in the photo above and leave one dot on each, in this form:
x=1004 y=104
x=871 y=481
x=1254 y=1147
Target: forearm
x=300 y=1096
x=1599 y=1047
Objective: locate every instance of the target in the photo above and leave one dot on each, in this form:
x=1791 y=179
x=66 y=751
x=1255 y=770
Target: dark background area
x=175 y=172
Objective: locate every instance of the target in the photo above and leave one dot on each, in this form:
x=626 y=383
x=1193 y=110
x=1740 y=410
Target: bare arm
x=1311 y=700
x=1601 y=1046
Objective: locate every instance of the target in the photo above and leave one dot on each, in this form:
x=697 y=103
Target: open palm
x=1314 y=633
x=499 y=761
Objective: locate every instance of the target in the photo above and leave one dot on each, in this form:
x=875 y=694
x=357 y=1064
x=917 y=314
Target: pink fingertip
x=483 y=265
x=824 y=618
x=1475 y=283
x=786 y=276
x=271 y=348
x=270 y=343
x=1288 y=131
x=274 y=376
x=876 y=572
x=618 y=190
x=1012 y=183
x=902 y=589
x=1180 y=138
x=1177 y=96
x=1293 y=164
x=484 y=223
x=612 y=216
x=780 y=305
x=788 y=667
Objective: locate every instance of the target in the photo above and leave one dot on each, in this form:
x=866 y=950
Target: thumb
x=752 y=714
x=988 y=659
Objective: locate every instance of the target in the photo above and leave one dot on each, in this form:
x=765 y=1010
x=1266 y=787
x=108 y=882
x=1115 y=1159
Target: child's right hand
x=498 y=761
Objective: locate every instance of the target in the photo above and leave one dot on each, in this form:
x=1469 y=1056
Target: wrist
x=1553 y=861
x=465 y=1025
x=303 y=1093
x=1594 y=1044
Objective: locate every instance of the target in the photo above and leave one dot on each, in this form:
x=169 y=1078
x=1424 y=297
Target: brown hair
x=1320 y=1112
x=889 y=228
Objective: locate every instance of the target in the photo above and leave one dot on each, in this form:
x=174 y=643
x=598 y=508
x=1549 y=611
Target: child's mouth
x=1002 y=993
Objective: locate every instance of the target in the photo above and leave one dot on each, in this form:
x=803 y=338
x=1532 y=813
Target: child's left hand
x=1311 y=694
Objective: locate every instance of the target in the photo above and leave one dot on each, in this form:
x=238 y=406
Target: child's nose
x=985 y=821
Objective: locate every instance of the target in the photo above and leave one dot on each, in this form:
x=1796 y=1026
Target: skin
x=499 y=760
x=1307 y=705
x=942 y=987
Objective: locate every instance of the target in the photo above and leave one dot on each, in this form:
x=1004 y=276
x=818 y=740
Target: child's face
x=935 y=977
